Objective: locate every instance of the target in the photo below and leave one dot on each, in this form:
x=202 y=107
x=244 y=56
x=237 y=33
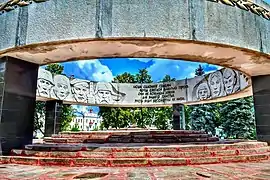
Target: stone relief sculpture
x=62 y=87
x=231 y=81
x=80 y=90
x=216 y=85
x=203 y=91
x=44 y=83
x=106 y=93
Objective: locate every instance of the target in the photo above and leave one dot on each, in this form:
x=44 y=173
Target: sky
x=104 y=70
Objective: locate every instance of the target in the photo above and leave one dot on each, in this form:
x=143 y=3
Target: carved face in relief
x=80 y=90
x=44 y=83
x=216 y=84
x=229 y=78
x=203 y=91
x=104 y=94
x=62 y=86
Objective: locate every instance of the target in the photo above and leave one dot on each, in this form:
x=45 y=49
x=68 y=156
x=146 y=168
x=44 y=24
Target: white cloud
x=176 y=69
x=145 y=60
x=95 y=70
x=82 y=109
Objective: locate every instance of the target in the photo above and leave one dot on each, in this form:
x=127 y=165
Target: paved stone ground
x=241 y=171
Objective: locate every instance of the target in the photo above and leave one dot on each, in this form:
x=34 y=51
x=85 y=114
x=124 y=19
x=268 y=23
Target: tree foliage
x=124 y=78
x=55 y=68
x=199 y=71
x=203 y=118
x=66 y=116
x=143 y=77
x=39 y=116
x=237 y=118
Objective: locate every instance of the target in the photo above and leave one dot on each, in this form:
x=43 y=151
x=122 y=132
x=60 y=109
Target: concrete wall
x=221 y=83
x=200 y=20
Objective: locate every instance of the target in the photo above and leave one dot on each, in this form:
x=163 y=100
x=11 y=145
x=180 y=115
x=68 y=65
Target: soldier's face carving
x=81 y=91
x=44 y=87
x=203 y=91
x=229 y=79
x=104 y=96
x=215 y=85
x=62 y=87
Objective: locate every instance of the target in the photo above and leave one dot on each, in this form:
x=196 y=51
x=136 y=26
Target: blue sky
x=107 y=69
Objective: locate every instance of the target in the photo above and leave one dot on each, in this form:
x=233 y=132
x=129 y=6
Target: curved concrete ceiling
x=248 y=61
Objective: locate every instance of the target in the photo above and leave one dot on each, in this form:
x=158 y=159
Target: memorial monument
x=229 y=33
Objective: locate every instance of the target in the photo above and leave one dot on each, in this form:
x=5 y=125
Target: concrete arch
x=233 y=34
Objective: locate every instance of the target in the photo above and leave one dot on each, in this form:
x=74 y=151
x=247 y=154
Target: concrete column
x=18 y=82
x=178 y=117
x=53 y=117
x=261 y=94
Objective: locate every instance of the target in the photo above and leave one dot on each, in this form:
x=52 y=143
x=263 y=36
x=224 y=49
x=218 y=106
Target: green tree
x=115 y=117
x=75 y=128
x=199 y=71
x=55 y=68
x=39 y=116
x=188 y=110
x=143 y=76
x=167 y=78
x=66 y=117
x=237 y=118
x=203 y=119
x=124 y=78
x=163 y=118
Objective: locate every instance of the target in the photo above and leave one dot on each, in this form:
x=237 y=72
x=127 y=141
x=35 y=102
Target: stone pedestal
x=261 y=94
x=18 y=81
x=52 y=117
x=178 y=117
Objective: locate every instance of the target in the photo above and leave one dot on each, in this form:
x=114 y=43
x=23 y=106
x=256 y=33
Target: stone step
x=148 y=147
x=104 y=136
x=133 y=132
x=124 y=162
x=141 y=153
x=128 y=139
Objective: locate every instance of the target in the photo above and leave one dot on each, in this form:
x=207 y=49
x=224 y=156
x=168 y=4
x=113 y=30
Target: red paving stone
x=259 y=171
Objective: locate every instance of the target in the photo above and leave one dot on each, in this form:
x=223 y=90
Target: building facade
x=86 y=121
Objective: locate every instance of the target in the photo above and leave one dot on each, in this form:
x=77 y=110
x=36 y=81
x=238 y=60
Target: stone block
x=167 y=161
x=129 y=154
x=91 y=162
x=5 y=159
x=197 y=154
x=204 y=160
x=129 y=162
x=62 y=154
x=228 y=159
x=24 y=160
x=224 y=153
x=55 y=161
x=87 y=154
x=166 y=154
x=37 y=153
x=259 y=157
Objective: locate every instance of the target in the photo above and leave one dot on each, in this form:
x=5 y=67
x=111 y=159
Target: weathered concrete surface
x=197 y=20
x=250 y=171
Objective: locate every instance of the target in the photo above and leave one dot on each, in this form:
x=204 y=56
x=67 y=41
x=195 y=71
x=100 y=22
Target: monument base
x=137 y=148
